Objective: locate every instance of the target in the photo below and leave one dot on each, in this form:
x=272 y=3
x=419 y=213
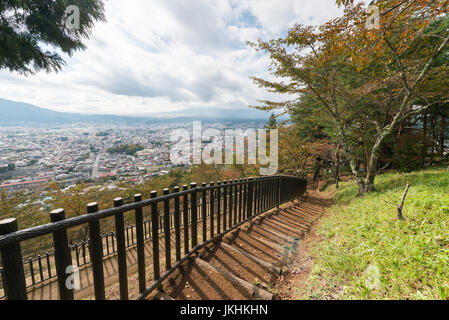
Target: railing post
x=261 y=197
x=204 y=211
x=47 y=257
x=235 y=202
x=262 y=194
x=277 y=190
x=240 y=193
x=96 y=253
x=41 y=270
x=219 y=207
x=185 y=203
x=211 y=210
x=194 y=212
x=140 y=244
x=155 y=236
x=250 y=198
x=106 y=236
x=13 y=271
x=121 y=250
x=63 y=257
x=177 y=220
x=268 y=193
x=30 y=264
x=231 y=204
x=245 y=198
x=77 y=253
x=167 y=231
x=225 y=204
x=256 y=196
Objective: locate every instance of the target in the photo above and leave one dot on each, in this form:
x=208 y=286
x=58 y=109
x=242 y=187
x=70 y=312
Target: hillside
x=361 y=250
x=18 y=112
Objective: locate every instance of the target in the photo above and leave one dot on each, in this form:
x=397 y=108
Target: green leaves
x=27 y=26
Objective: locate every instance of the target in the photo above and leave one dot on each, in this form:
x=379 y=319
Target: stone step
x=195 y=282
x=235 y=262
x=246 y=262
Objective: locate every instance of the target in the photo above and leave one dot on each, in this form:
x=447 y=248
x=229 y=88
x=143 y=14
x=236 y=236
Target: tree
x=296 y=156
x=367 y=81
x=74 y=202
x=272 y=122
x=9 y=167
x=16 y=204
x=29 y=27
x=207 y=173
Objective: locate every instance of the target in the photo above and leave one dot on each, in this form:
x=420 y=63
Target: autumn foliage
x=365 y=76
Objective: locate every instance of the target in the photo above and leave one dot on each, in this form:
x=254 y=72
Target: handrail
x=30 y=233
x=246 y=198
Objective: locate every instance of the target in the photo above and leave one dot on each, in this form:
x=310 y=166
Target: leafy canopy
x=34 y=34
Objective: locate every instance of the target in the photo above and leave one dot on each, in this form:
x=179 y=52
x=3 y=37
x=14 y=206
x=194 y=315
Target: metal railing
x=203 y=214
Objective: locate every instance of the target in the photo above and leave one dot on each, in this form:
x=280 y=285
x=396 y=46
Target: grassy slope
x=364 y=252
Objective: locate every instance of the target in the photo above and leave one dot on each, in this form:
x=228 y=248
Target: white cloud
x=276 y=16
x=161 y=55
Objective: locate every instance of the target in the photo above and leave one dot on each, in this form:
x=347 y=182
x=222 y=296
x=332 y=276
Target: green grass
x=365 y=252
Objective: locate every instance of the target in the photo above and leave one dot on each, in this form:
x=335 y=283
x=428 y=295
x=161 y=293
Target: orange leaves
x=306 y=58
x=296 y=156
x=344 y=2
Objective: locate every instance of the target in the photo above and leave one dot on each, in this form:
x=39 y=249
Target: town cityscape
x=33 y=156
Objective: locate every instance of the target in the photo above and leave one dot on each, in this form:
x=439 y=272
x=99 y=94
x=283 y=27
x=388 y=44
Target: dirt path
x=301 y=263
x=256 y=262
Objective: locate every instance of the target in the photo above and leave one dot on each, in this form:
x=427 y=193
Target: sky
x=162 y=56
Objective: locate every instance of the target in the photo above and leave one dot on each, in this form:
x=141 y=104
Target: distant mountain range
x=12 y=112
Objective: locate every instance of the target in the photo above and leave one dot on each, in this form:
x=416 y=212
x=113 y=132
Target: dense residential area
x=30 y=156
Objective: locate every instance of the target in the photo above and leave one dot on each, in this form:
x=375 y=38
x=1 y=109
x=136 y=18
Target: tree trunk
x=401 y=127
x=354 y=165
x=424 y=141
x=432 y=130
x=371 y=169
x=442 y=137
x=337 y=169
x=369 y=185
x=358 y=178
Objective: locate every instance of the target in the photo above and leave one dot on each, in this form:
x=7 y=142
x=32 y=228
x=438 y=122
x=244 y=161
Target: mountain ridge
x=14 y=112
